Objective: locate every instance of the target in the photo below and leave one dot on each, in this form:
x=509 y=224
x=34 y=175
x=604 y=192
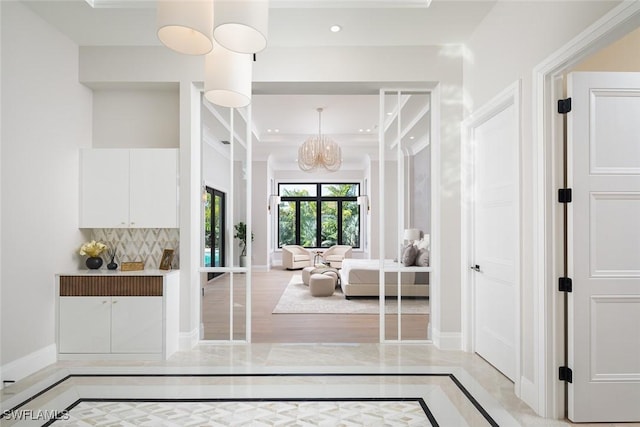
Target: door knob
x=475 y=268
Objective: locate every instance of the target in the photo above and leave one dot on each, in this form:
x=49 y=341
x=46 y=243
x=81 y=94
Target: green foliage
x=328 y=217
x=241 y=234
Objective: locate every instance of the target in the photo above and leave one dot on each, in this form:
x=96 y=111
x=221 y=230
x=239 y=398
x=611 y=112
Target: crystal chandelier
x=319 y=151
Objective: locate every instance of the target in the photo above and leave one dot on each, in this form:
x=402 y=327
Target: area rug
x=296 y=298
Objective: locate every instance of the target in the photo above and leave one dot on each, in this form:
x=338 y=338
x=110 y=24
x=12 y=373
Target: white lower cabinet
x=136 y=324
x=110 y=325
x=94 y=319
x=85 y=325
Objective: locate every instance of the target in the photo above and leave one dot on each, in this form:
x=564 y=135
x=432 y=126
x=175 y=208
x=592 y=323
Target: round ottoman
x=321 y=285
x=306 y=273
x=333 y=275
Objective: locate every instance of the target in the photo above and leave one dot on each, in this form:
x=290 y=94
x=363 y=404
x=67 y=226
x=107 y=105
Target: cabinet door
x=104 y=188
x=136 y=325
x=153 y=197
x=84 y=325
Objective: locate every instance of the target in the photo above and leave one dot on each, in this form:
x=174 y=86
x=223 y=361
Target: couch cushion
x=422 y=258
x=409 y=255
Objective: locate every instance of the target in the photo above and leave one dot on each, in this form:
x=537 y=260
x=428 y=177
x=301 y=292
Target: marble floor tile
x=290 y=364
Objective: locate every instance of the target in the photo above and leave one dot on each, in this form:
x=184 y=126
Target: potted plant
x=241 y=234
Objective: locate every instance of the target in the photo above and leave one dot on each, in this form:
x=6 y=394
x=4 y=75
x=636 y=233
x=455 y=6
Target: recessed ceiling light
x=361 y=130
x=412 y=137
x=368 y=130
x=277 y=130
x=335 y=28
x=269 y=130
x=389 y=113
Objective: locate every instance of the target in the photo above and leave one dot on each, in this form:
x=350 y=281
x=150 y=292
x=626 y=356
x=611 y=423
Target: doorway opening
x=214 y=226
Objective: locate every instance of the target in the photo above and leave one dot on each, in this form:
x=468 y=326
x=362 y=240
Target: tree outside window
x=324 y=213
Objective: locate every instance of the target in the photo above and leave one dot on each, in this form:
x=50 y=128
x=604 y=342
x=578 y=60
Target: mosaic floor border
x=61 y=382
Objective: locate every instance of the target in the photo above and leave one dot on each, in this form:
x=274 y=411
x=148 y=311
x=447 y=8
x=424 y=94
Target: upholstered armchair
x=295 y=257
x=335 y=254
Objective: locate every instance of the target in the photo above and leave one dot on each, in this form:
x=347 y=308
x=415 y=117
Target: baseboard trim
x=188 y=340
x=529 y=393
x=447 y=340
x=29 y=364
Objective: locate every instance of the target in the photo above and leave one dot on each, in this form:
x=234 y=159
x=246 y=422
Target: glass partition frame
x=395 y=124
x=237 y=303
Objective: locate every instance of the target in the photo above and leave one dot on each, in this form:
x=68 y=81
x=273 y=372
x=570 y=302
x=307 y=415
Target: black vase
x=93 y=262
x=112 y=265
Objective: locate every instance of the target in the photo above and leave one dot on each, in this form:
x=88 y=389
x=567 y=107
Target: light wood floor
x=291 y=328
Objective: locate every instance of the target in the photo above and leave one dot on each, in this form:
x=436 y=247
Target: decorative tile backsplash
x=140 y=244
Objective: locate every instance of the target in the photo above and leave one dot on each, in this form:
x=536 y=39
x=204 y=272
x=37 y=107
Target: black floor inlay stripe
x=453 y=378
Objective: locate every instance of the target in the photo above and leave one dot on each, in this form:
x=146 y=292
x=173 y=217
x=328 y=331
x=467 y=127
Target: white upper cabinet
x=129 y=188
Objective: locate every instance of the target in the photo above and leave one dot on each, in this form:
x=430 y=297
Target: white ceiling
x=292 y=110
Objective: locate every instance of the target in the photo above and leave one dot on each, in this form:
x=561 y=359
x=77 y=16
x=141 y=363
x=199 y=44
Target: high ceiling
x=293 y=23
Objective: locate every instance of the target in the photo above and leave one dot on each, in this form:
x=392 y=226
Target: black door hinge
x=565 y=284
x=565 y=374
x=564 y=195
x=564 y=106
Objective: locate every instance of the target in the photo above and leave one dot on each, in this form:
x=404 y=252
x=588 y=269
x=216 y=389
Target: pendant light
x=186 y=26
x=227 y=80
x=241 y=25
x=319 y=151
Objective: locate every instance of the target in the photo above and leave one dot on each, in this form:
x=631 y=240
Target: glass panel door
x=214 y=249
x=405 y=146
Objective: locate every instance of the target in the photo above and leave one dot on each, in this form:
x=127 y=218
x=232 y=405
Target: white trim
x=188 y=340
x=528 y=391
x=447 y=340
x=27 y=365
x=619 y=21
x=505 y=99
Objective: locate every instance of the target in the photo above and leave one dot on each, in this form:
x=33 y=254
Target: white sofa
x=361 y=278
x=335 y=254
x=295 y=257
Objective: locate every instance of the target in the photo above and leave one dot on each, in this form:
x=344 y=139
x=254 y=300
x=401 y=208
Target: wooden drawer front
x=129 y=286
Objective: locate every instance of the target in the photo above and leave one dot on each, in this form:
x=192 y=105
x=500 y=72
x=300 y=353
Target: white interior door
x=496 y=239
x=604 y=246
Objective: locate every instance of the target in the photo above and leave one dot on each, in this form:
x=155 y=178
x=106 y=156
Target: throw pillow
x=422 y=258
x=424 y=243
x=409 y=255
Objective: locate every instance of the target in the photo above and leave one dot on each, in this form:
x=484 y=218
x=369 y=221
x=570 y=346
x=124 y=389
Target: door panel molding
x=508 y=98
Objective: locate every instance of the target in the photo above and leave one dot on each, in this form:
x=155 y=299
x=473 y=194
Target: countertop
x=105 y=272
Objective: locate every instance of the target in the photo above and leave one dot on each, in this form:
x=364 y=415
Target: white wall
x=216 y=167
x=134 y=117
x=46 y=118
x=506 y=47
x=260 y=216
x=420 y=190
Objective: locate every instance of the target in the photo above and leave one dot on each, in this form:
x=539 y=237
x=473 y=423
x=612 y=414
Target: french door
x=214 y=248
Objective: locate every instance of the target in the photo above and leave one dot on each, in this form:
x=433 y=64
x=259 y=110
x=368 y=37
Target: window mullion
x=298 y=228
x=339 y=221
x=318 y=220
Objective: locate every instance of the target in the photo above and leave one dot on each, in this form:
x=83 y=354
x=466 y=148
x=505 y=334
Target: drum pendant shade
x=186 y=26
x=227 y=79
x=241 y=25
